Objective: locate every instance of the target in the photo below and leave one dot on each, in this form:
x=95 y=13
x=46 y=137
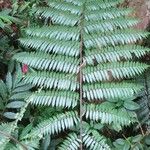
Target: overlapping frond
x=109 y=90
x=56 y=124
x=70 y=143
x=57 y=98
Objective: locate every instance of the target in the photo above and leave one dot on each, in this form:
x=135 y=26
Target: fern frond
x=103 y=14
x=52 y=80
x=109 y=114
x=84 y=49
x=66 y=18
x=57 y=32
x=42 y=61
x=72 y=18
x=66 y=6
x=94 y=141
x=91 y=4
x=109 y=24
x=77 y=9
x=70 y=143
x=56 y=98
x=109 y=90
x=113 y=54
x=118 y=70
x=98 y=5
x=117 y=37
x=70 y=48
x=55 y=124
x=76 y=3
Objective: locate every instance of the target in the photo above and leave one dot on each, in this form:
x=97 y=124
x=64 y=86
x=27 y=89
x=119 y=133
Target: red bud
x=25 y=68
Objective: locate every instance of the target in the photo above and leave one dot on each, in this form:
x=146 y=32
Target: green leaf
x=15 y=104
x=130 y=105
x=10 y=115
x=147 y=140
x=3 y=90
x=26 y=130
x=137 y=138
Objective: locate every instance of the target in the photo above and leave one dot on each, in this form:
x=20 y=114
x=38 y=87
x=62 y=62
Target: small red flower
x=25 y=68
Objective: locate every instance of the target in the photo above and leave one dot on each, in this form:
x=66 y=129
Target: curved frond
x=55 y=124
x=109 y=90
x=56 y=98
x=70 y=143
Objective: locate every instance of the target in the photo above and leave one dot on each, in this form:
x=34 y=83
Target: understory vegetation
x=74 y=76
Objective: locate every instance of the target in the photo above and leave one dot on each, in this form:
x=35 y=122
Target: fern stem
x=81 y=91
x=81 y=77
